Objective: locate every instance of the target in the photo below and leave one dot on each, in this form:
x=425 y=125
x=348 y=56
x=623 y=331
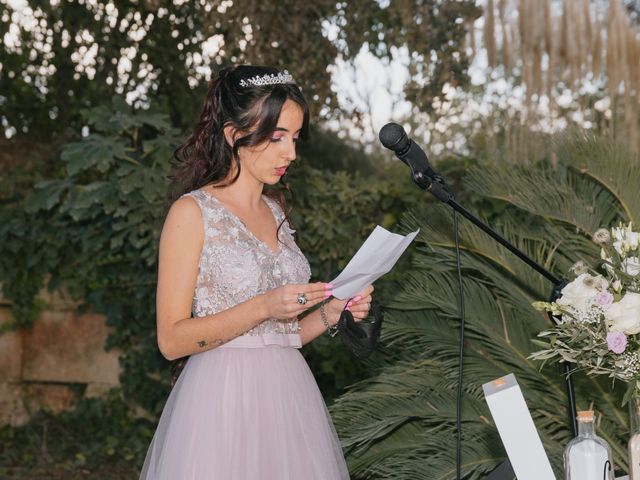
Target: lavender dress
x=250 y=409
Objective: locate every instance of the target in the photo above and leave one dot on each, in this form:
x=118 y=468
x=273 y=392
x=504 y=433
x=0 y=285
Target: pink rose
x=604 y=299
x=616 y=341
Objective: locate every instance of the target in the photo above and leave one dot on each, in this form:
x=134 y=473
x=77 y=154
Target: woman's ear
x=230 y=134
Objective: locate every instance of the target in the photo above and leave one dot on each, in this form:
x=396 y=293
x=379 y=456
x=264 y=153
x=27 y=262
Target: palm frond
x=400 y=424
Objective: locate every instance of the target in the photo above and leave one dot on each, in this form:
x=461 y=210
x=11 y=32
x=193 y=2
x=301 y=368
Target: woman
x=231 y=285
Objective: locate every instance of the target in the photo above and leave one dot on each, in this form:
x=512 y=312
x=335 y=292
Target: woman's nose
x=290 y=150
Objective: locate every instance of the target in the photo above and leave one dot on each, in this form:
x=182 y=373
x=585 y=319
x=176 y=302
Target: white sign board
x=517 y=431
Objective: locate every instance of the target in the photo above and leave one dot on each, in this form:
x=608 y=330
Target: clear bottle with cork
x=587 y=456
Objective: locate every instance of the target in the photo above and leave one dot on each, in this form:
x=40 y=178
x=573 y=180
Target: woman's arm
x=179 y=334
x=312 y=326
x=180 y=246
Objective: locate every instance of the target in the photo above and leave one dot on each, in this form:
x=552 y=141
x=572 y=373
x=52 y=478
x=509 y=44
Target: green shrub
x=95 y=227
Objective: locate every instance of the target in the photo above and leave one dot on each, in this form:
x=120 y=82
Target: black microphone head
x=393 y=137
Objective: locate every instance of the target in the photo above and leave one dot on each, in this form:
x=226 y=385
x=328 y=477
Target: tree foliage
x=65 y=56
x=400 y=423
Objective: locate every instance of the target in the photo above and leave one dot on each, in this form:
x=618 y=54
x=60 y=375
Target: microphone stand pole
x=436 y=186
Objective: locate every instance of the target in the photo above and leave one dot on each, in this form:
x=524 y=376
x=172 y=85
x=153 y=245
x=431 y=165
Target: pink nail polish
x=348 y=308
x=357 y=297
x=327 y=294
x=328 y=286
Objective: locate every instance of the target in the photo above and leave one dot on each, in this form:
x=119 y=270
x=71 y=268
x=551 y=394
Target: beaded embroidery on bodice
x=236 y=266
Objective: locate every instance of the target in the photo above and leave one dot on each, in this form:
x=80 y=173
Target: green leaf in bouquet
x=540 y=343
x=541 y=306
x=632 y=388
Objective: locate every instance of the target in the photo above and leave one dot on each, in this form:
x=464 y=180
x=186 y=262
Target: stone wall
x=53 y=364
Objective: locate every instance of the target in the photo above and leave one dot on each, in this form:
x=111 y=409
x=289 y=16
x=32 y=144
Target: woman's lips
x=281 y=171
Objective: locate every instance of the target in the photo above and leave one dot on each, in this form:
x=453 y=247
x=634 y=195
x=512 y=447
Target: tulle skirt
x=245 y=414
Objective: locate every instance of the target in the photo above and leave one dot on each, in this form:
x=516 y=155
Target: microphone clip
x=434 y=184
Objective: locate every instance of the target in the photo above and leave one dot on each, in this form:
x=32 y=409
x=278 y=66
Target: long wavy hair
x=206 y=158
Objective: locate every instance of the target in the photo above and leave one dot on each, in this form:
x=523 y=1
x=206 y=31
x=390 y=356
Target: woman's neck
x=244 y=193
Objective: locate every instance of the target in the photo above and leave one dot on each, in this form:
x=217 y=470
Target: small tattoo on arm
x=216 y=342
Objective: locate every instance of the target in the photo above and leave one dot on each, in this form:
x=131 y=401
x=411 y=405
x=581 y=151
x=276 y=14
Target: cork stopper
x=585 y=416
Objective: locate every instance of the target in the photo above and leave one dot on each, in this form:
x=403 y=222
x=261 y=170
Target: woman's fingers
x=366 y=292
x=313 y=293
x=311 y=288
x=359 y=313
x=360 y=305
x=358 y=301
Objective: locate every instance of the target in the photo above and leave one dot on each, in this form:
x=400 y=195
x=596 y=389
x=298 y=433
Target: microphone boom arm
x=441 y=191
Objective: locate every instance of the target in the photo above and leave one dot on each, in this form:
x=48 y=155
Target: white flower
x=625 y=239
x=602 y=236
x=579 y=267
x=631 y=266
x=617 y=233
x=581 y=292
x=617 y=286
x=624 y=316
x=600 y=283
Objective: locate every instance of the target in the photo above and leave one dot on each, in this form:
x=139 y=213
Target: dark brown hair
x=205 y=157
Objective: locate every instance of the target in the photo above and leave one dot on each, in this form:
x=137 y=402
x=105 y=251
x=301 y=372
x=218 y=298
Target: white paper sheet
x=377 y=256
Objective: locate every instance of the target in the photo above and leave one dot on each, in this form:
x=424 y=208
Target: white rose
x=580 y=293
x=600 y=283
x=631 y=266
x=624 y=316
x=632 y=239
x=579 y=268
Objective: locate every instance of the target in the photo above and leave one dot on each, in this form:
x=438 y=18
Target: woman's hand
x=359 y=305
x=282 y=302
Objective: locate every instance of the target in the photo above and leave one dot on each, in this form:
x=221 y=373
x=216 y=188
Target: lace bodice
x=236 y=266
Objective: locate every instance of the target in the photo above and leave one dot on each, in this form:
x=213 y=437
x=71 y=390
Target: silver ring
x=302 y=299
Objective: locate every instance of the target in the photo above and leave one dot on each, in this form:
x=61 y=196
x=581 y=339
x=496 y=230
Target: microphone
x=393 y=137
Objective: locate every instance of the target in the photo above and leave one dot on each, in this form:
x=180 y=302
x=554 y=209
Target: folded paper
x=377 y=256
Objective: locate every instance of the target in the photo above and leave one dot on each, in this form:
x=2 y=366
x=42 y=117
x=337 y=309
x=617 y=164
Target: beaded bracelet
x=331 y=329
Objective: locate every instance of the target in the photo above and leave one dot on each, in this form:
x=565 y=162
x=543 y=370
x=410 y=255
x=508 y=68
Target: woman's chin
x=273 y=179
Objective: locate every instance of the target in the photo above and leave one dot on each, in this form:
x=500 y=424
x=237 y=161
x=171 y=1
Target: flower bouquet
x=597 y=315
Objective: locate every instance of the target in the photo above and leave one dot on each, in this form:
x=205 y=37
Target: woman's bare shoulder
x=184 y=214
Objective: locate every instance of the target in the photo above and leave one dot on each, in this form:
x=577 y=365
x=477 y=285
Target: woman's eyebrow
x=282 y=129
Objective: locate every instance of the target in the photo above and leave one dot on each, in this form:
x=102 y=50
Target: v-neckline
x=244 y=226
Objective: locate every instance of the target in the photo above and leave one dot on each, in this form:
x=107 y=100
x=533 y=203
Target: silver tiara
x=267 y=79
